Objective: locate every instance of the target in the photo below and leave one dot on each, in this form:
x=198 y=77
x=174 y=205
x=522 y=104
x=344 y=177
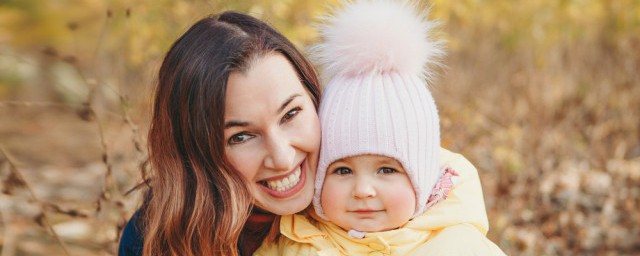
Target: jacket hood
x=464 y=203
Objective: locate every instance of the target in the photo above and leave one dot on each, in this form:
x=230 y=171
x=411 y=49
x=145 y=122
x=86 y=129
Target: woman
x=233 y=141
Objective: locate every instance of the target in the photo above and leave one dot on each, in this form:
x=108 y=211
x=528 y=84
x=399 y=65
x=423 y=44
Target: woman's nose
x=363 y=188
x=280 y=154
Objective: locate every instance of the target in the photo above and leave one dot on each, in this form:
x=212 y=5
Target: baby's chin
x=367 y=228
x=369 y=225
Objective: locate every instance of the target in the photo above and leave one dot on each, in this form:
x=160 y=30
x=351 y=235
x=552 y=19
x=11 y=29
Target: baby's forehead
x=369 y=159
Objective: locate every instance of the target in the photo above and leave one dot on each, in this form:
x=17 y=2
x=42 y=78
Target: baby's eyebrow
x=387 y=162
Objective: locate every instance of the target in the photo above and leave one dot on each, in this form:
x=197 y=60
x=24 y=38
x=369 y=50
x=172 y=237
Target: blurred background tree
x=542 y=96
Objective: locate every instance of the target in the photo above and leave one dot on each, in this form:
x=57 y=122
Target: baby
x=383 y=185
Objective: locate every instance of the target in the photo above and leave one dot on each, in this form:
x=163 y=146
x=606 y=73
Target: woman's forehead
x=269 y=83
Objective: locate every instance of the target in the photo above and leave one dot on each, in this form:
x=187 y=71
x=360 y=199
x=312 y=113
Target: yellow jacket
x=455 y=226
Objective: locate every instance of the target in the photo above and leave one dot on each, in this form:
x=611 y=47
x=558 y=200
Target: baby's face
x=368 y=193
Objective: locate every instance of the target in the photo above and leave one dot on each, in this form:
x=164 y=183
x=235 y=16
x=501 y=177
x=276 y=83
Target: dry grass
x=557 y=143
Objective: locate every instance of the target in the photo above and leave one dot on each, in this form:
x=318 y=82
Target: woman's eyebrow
x=287 y=101
x=230 y=124
x=235 y=124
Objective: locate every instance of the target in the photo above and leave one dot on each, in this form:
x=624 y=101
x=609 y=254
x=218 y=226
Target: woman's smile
x=285 y=185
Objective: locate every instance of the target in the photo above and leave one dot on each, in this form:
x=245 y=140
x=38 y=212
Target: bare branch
x=41 y=218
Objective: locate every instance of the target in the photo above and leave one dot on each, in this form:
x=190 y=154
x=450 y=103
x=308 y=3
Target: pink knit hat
x=375 y=56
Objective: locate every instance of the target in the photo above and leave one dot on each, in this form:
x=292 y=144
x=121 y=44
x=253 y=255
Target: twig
x=87 y=112
x=124 y=100
x=107 y=162
x=9 y=238
x=45 y=104
x=103 y=31
x=134 y=128
x=42 y=218
x=33 y=104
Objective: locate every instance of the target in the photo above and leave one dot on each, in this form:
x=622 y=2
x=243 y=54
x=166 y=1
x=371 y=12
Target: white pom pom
x=377 y=36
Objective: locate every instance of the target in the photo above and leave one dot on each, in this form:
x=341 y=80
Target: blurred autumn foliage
x=542 y=96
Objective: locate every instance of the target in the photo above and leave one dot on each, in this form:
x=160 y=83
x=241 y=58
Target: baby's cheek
x=402 y=201
x=331 y=200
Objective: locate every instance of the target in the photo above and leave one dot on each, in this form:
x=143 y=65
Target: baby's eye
x=342 y=171
x=387 y=170
x=239 y=138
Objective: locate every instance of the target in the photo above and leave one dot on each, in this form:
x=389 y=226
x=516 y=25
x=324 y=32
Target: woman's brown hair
x=198 y=204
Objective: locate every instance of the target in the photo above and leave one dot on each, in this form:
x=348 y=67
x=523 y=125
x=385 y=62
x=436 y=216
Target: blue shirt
x=132 y=239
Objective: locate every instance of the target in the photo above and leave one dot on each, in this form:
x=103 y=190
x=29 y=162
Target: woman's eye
x=387 y=170
x=342 y=171
x=239 y=138
x=291 y=114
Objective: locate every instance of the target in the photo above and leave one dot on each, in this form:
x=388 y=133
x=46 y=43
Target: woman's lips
x=290 y=191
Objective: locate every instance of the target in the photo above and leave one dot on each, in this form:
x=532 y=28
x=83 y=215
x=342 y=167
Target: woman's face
x=272 y=134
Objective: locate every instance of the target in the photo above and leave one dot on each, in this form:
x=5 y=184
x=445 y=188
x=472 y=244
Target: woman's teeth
x=285 y=183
